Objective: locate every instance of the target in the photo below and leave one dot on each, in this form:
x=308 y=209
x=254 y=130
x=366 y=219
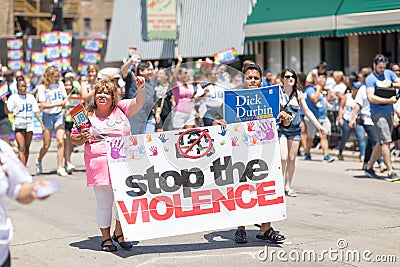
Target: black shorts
x=68 y=126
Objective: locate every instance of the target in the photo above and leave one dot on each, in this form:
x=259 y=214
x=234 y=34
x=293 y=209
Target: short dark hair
x=322 y=64
x=142 y=66
x=252 y=67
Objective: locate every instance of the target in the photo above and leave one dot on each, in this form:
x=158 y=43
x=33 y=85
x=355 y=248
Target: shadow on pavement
x=225 y=240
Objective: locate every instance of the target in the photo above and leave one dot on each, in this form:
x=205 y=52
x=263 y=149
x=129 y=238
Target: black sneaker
x=240 y=237
x=370 y=173
x=392 y=177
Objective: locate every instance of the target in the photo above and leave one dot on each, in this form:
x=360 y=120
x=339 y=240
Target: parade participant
x=363 y=110
x=347 y=104
x=23 y=106
x=164 y=103
x=252 y=80
x=52 y=97
x=109 y=118
x=211 y=96
x=314 y=74
x=183 y=113
x=87 y=85
x=292 y=99
x=317 y=105
x=17 y=184
x=72 y=92
x=382 y=113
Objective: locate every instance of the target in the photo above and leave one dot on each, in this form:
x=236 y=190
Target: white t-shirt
x=53 y=95
x=12 y=174
x=362 y=100
x=24 y=108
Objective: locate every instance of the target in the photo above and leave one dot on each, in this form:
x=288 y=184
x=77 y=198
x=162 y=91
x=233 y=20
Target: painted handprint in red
x=250 y=126
x=133 y=140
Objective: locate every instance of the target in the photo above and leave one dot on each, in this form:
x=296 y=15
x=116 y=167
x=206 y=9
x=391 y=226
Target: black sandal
x=271 y=235
x=123 y=244
x=108 y=248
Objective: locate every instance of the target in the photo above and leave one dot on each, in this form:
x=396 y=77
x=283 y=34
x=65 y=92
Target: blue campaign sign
x=251 y=104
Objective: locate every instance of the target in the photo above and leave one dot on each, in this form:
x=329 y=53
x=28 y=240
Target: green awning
x=291 y=19
x=368 y=17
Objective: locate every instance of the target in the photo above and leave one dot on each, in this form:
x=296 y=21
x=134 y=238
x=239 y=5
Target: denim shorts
x=51 y=121
x=290 y=135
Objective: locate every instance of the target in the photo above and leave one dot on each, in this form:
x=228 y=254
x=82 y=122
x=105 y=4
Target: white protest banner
x=194 y=180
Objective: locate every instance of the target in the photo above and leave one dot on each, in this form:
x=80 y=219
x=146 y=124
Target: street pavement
x=338 y=214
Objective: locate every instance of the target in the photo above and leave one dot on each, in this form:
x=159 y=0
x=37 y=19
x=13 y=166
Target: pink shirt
x=183 y=98
x=95 y=153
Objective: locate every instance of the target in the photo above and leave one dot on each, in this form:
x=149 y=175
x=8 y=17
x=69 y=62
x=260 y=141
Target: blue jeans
x=150 y=125
x=372 y=141
x=346 y=131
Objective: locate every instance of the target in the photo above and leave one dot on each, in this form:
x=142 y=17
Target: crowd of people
x=144 y=98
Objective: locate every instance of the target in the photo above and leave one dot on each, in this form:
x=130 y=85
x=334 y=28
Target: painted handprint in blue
x=116 y=148
x=223 y=131
x=245 y=138
x=162 y=138
x=142 y=150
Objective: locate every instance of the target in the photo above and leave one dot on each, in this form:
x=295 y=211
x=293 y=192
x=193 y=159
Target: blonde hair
x=47 y=77
x=339 y=74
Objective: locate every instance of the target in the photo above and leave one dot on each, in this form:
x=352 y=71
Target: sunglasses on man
x=382 y=59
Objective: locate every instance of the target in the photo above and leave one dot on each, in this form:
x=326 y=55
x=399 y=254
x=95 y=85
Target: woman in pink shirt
x=109 y=118
x=183 y=113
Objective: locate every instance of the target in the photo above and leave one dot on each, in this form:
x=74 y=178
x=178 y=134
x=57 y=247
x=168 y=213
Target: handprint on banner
x=222 y=143
x=254 y=140
x=116 y=148
x=133 y=140
x=235 y=141
x=142 y=150
x=245 y=138
x=265 y=131
x=250 y=126
x=149 y=138
x=162 y=138
x=223 y=131
x=154 y=150
x=236 y=128
x=166 y=149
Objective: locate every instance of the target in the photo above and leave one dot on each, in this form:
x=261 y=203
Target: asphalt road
x=339 y=215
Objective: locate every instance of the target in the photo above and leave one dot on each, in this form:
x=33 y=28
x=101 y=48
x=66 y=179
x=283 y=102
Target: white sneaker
x=39 y=168
x=69 y=168
x=62 y=172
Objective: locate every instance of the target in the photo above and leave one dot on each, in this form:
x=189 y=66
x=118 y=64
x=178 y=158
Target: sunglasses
x=289 y=76
x=382 y=59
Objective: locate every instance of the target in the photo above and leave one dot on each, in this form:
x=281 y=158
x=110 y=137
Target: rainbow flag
x=65 y=50
x=90 y=57
x=38 y=57
x=49 y=38
x=226 y=56
x=38 y=69
x=16 y=64
x=82 y=68
x=51 y=52
x=15 y=54
x=14 y=44
x=65 y=38
x=92 y=45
